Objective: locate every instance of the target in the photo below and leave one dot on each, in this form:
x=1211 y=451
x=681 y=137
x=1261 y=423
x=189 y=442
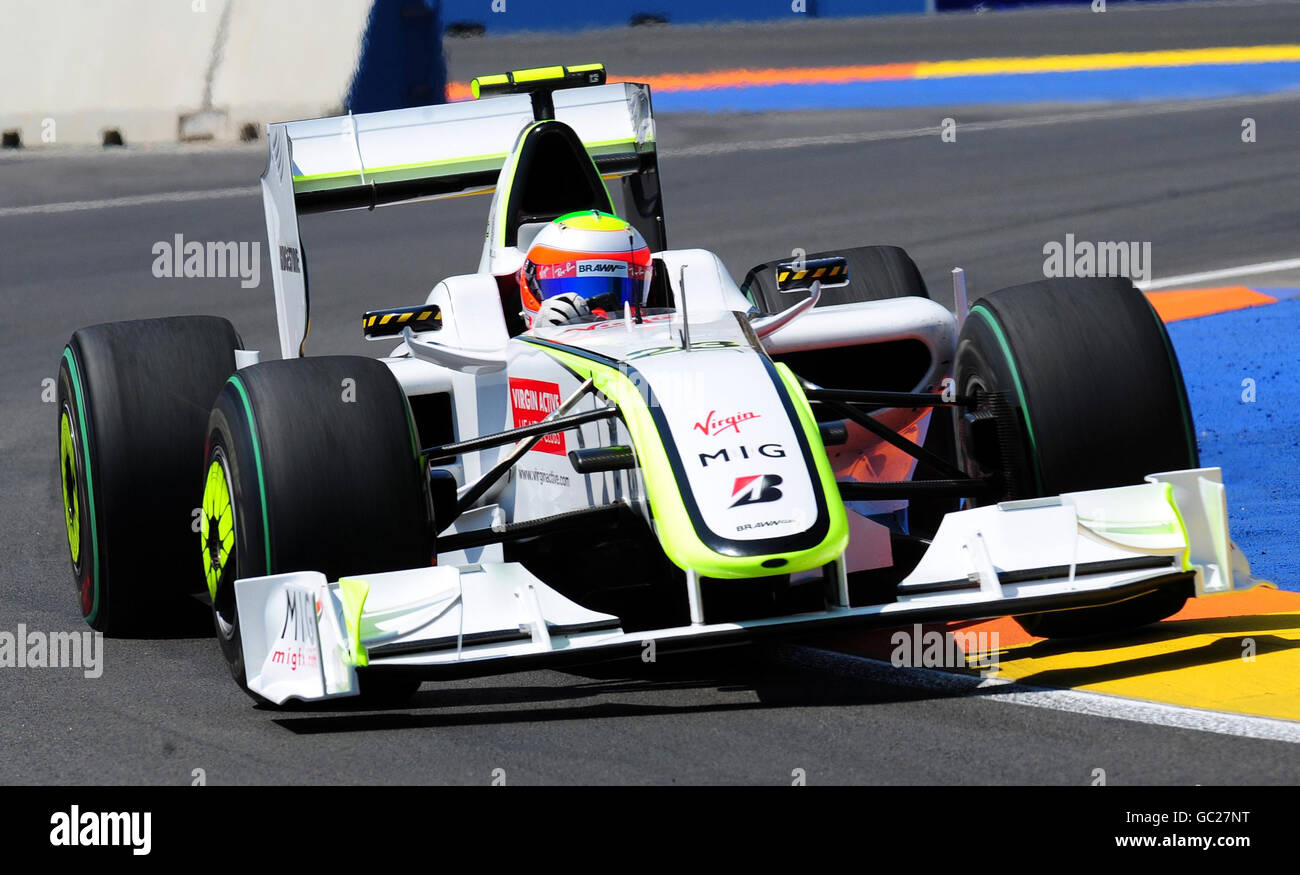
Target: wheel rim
x=71 y=492
x=217 y=536
x=974 y=387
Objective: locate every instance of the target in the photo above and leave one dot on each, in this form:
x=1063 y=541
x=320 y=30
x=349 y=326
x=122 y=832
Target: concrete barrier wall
x=71 y=68
x=162 y=70
x=289 y=59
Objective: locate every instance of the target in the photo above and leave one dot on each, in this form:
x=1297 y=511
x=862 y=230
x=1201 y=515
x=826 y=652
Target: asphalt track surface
x=1176 y=175
x=887 y=39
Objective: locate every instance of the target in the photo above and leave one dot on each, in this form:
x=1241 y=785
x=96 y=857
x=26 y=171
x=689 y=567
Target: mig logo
x=756 y=489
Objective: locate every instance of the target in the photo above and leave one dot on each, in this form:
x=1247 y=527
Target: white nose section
x=741 y=456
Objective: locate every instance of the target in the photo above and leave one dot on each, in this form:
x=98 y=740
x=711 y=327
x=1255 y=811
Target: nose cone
x=744 y=462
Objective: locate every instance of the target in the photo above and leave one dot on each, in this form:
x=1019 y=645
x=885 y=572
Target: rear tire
x=312 y=465
x=876 y=273
x=133 y=400
x=1094 y=398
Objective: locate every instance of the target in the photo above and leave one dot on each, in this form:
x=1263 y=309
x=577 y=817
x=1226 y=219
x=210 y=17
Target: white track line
x=162 y=197
x=1070 y=701
x=1226 y=273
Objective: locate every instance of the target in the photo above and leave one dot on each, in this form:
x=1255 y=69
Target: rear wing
x=375 y=159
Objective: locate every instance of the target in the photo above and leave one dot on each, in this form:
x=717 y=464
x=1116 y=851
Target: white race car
x=822 y=446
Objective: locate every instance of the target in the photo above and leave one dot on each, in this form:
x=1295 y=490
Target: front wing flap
x=305 y=638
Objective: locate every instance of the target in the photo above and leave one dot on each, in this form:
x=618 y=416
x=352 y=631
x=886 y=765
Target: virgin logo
x=715 y=425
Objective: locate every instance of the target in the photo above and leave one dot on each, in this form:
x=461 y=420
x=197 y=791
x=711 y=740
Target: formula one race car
x=821 y=446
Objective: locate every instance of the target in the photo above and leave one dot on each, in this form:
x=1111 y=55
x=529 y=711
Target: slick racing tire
x=876 y=273
x=1090 y=396
x=133 y=401
x=312 y=465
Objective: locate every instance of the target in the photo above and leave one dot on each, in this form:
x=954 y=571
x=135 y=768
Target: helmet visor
x=607 y=283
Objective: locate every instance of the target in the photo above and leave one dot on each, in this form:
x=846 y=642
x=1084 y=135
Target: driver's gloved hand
x=562 y=309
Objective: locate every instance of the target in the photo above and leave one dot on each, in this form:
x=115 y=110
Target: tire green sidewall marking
x=257 y=462
x=75 y=379
x=410 y=426
x=1180 y=386
x=71 y=500
x=1010 y=359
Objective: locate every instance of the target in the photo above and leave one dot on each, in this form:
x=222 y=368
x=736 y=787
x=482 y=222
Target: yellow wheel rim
x=71 y=495
x=217 y=524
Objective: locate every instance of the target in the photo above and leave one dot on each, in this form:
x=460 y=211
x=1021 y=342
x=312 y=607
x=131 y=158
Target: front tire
x=312 y=465
x=1089 y=396
x=133 y=400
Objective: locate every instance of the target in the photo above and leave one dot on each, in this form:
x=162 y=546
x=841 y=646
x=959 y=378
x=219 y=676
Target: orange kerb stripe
x=1190 y=303
x=765 y=76
x=777 y=76
x=1260 y=600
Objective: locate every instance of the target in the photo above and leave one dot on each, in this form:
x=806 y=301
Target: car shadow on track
x=184 y=619
x=745 y=679
x=680 y=684
x=1226 y=648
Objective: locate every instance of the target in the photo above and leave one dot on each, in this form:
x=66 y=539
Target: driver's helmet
x=593 y=254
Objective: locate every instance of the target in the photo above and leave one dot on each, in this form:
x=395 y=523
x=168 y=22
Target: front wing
x=305 y=637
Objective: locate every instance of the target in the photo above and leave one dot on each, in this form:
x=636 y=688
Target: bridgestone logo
x=290 y=260
x=756 y=489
